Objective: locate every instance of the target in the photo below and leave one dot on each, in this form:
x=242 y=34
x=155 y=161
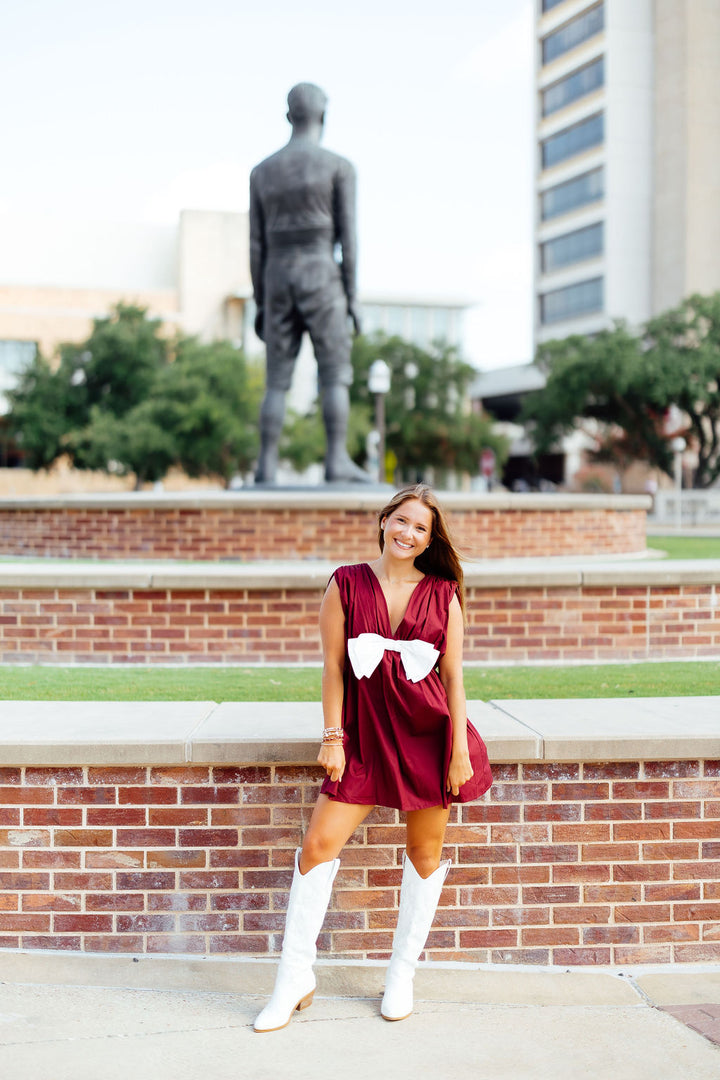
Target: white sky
x=132 y=111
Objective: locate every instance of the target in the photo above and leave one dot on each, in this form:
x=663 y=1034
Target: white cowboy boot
x=418 y=901
x=295 y=981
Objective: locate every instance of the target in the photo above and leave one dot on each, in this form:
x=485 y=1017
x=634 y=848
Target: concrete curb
x=204 y=732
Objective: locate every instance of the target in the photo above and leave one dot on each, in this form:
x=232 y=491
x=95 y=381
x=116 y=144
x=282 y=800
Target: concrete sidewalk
x=511 y=1024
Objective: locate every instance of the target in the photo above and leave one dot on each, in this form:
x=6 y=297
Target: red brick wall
x=81 y=625
x=303 y=532
x=561 y=864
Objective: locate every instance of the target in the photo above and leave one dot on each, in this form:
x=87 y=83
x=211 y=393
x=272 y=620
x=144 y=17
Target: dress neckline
x=378 y=589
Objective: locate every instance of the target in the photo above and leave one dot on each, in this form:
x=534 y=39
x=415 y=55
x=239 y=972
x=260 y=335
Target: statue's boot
x=341 y=467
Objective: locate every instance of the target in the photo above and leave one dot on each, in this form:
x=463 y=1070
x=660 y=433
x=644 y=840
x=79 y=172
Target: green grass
x=686 y=547
x=678 y=679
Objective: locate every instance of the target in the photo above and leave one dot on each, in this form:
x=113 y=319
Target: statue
x=302 y=205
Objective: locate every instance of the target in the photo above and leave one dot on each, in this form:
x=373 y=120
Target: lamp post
x=677 y=446
x=378 y=385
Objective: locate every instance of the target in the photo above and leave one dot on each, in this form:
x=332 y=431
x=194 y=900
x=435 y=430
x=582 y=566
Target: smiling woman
x=396 y=735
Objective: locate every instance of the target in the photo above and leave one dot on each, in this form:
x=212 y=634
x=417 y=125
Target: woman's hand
x=460 y=771
x=332 y=759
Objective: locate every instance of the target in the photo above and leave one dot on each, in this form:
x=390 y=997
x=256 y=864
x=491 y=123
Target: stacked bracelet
x=332 y=735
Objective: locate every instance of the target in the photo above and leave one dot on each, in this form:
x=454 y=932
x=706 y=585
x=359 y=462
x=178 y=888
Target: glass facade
x=572 y=247
x=573 y=140
x=583 y=298
x=573 y=33
x=419 y=323
x=574 y=86
x=548 y=5
x=580 y=191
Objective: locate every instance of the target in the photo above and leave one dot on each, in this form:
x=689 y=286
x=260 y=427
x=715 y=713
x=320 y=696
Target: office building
x=628 y=160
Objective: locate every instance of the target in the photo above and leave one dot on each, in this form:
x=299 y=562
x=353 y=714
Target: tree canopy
x=428 y=422
x=626 y=383
x=129 y=401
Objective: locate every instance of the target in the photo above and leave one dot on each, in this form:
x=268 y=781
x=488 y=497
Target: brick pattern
x=303 y=533
x=567 y=864
x=281 y=625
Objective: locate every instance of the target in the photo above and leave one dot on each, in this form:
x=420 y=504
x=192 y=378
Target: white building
x=56 y=276
x=628 y=163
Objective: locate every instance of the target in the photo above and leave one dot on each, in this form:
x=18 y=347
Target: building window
x=372 y=319
x=571 y=248
x=574 y=86
x=441 y=325
x=573 y=140
x=15 y=356
x=548 y=5
x=583 y=298
x=573 y=33
x=395 y=319
x=580 y=191
x=420 y=332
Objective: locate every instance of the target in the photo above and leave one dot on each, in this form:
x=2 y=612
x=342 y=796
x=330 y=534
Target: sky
x=130 y=112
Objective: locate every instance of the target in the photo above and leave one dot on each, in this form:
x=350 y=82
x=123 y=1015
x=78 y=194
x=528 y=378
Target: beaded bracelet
x=332 y=735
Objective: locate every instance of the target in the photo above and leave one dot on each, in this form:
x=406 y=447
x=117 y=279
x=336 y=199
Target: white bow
x=366 y=651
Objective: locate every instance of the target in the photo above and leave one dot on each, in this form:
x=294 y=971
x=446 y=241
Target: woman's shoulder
x=348 y=574
x=349 y=570
x=442 y=586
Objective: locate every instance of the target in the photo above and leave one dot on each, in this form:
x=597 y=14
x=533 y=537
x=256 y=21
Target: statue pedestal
x=333 y=522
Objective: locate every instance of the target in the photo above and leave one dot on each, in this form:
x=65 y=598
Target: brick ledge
x=312 y=574
x=358 y=499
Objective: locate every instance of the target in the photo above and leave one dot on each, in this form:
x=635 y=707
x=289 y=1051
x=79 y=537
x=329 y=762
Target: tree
x=128 y=401
x=217 y=396
x=37 y=420
x=116 y=367
x=137 y=442
x=61 y=411
x=600 y=384
x=428 y=424
x=428 y=421
x=621 y=385
x=685 y=345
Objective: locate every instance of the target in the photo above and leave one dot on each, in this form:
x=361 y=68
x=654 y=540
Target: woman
x=396 y=734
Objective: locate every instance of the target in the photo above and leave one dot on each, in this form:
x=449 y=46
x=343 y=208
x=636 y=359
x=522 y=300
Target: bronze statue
x=302 y=209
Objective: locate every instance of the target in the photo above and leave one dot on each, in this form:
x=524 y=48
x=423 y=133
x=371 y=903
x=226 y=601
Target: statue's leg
x=326 y=316
x=272 y=414
x=336 y=411
x=283 y=334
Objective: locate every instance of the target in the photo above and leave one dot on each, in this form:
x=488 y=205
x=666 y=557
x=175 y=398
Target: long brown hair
x=441 y=558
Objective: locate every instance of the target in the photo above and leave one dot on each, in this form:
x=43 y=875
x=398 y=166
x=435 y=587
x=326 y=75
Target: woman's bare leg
x=425 y=836
x=331 y=826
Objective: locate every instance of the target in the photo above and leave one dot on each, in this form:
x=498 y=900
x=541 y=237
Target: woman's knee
x=317 y=848
x=424 y=857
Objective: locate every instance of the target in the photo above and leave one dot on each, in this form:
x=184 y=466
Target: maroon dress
x=398 y=733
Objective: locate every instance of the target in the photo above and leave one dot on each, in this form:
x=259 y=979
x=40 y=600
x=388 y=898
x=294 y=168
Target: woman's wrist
x=332 y=736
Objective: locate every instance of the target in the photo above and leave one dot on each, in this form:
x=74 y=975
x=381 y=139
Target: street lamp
x=677 y=445
x=379 y=385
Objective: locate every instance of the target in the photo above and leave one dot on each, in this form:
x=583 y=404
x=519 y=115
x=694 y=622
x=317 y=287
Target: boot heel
x=304 y=1002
